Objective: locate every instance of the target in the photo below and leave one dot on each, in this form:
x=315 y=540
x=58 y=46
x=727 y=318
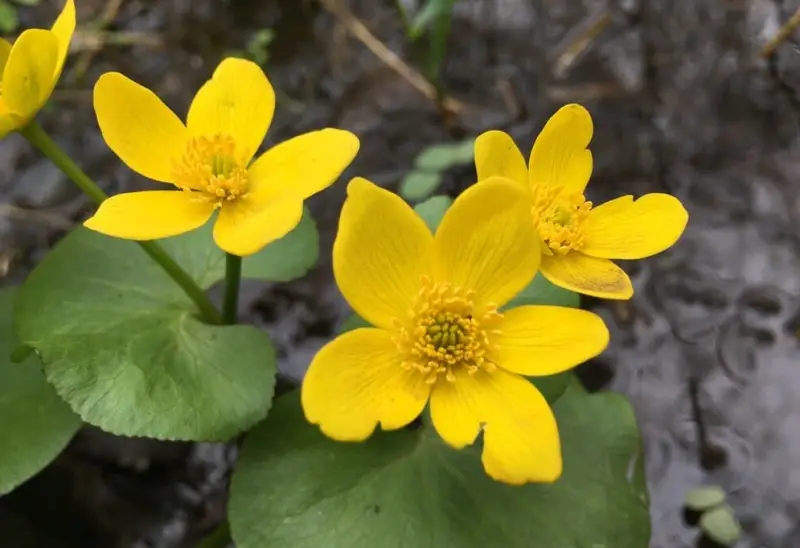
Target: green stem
x=41 y=140
x=233 y=278
x=218 y=538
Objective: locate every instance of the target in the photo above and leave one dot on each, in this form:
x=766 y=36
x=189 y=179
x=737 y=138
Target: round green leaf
x=438 y=158
x=36 y=424
x=433 y=209
x=704 y=497
x=122 y=345
x=721 y=526
x=418 y=185
x=294 y=487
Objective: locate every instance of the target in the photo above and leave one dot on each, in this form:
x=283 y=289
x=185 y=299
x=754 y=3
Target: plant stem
x=41 y=140
x=233 y=278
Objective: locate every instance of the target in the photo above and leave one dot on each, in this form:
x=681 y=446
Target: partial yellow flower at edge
x=438 y=334
x=579 y=239
x=31 y=68
x=208 y=162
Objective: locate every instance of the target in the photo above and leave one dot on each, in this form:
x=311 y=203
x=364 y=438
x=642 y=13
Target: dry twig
x=360 y=31
x=578 y=41
x=782 y=35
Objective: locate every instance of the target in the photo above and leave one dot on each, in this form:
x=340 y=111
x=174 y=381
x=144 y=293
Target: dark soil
x=707 y=350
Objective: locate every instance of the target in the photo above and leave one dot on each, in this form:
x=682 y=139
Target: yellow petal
x=496 y=154
x=380 y=253
x=588 y=275
x=628 y=229
x=545 y=340
x=520 y=435
x=486 y=242
x=356 y=382
x=63 y=28
x=5 y=51
x=304 y=165
x=245 y=226
x=29 y=73
x=559 y=156
x=138 y=127
x=238 y=101
x=8 y=122
x=149 y=215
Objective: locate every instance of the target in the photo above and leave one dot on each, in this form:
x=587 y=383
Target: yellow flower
x=31 y=68
x=209 y=161
x=438 y=333
x=579 y=239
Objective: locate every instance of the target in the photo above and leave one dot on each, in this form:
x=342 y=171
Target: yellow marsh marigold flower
x=210 y=161
x=438 y=333
x=31 y=68
x=580 y=239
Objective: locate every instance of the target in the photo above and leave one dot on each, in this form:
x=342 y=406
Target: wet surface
x=707 y=350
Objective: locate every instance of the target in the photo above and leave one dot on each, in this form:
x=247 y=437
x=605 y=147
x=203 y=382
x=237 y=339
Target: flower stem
x=233 y=278
x=41 y=140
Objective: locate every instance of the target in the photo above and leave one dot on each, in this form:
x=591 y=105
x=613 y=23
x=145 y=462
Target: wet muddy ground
x=683 y=102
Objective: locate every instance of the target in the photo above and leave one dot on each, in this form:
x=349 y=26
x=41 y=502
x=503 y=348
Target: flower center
x=211 y=166
x=560 y=218
x=443 y=333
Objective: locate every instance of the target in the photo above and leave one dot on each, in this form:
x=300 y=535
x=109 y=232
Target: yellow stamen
x=442 y=332
x=211 y=167
x=560 y=218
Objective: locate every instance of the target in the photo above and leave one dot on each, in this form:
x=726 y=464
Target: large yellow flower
x=208 y=161
x=579 y=239
x=31 y=68
x=438 y=333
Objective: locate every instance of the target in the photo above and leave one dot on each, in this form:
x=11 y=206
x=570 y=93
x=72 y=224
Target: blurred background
x=692 y=97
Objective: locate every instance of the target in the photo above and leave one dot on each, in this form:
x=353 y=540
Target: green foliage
x=294 y=487
x=704 y=497
x=122 y=345
x=721 y=526
x=433 y=19
x=717 y=520
x=9 y=19
x=541 y=291
x=256 y=48
x=36 y=423
x=432 y=210
x=430 y=166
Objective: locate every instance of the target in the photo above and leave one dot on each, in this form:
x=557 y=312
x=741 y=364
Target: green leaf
x=36 y=424
x=429 y=12
x=721 y=526
x=704 y=497
x=432 y=210
x=294 y=487
x=20 y=353
x=289 y=258
x=353 y=322
x=122 y=345
x=541 y=291
x=28 y=3
x=418 y=185
x=438 y=158
x=9 y=20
